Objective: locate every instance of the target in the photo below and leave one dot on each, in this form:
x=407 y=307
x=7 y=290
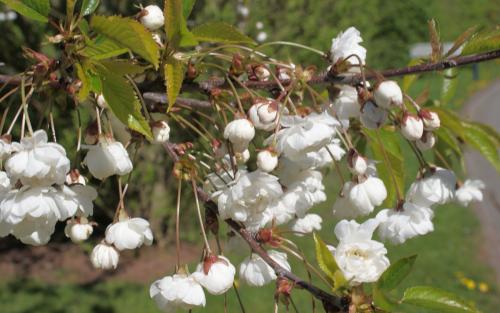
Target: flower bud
x=158 y=40
x=161 y=132
x=239 y=132
x=412 y=127
x=104 y=256
x=283 y=73
x=263 y=114
x=357 y=163
x=267 y=161
x=78 y=230
x=430 y=119
x=372 y=116
x=101 y=102
x=387 y=94
x=152 y=17
x=262 y=73
x=216 y=274
x=427 y=141
x=92 y=134
x=74 y=177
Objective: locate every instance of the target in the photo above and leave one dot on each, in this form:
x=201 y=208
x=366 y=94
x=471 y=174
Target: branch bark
x=330 y=302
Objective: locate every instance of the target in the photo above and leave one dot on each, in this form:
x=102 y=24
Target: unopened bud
x=430 y=119
x=267 y=160
x=357 y=163
x=152 y=17
x=161 y=131
x=427 y=141
x=388 y=94
x=412 y=127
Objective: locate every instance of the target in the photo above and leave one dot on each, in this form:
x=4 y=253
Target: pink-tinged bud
x=427 y=141
x=430 y=119
x=161 y=131
x=412 y=127
x=357 y=163
x=388 y=94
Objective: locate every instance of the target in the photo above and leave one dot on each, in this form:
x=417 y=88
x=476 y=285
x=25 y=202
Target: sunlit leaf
x=382 y=301
x=123 y=67
x=479 y=139
x=450 y=120
x=327 y=263
x=103 y=48
x=436 y=299
x=395 y=274
x=130 y=34
x=122 y=101
x=187 y=7
x=85 y=87
x=174 y=76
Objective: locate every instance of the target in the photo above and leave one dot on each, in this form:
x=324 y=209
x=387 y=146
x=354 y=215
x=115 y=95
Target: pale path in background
x=484 y=107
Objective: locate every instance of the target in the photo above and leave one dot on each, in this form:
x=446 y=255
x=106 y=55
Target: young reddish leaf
x=437 y=49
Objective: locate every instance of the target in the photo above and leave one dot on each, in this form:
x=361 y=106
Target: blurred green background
x=58 y=278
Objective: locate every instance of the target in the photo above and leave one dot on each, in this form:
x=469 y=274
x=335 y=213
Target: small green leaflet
x=130 y=34
x=82 y=76
x=436 y=299
x=88 y=7
x=220 y=32
x=37 y=10
x=122 y=100
x=178 y=35
x=327 y=263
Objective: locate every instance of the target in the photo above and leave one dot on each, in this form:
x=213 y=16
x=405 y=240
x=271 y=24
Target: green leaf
x=327 y=263
x=482 y=42
x=479 y=139
x=382 y=301
x=396 y=273
x=493 y=134
x=103 y=48
x=70 y=9
x=408 y=80
x=37 y=10
x=220 y=32
x=84 y=91
x=436 y=299
x=396 y=162
x=122 y=100
x=450 y=120
x=89 y=7
x=174 y=76
x=187 y=7
x=450 y=83
x=123 y=67
x=173 y=18
x=128 y=33
x=444 y=135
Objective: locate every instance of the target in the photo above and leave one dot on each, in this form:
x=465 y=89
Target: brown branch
x=330 y=302
x=161 y=98
x=327 y=78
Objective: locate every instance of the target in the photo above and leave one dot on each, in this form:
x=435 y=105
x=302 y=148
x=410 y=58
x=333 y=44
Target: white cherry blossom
x=78 y=230
x=161 y=132
x=430 y=119
x=307 y=224
x=436 y=187
x=412 y=127
x=267 y=161
x=427 y=141
x=471 y=190
x=361 y=259
x=359 y=199
x=372 y=116
x=412 y=221
x=107 y=158
x=179 y=291
x=239 y=132
x=346 y=44
x=346 y=105
x=254 y=271
x=37 y=161
x=129 y=233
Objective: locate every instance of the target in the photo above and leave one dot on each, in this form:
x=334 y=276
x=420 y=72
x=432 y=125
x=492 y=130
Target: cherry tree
x=262 y=133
